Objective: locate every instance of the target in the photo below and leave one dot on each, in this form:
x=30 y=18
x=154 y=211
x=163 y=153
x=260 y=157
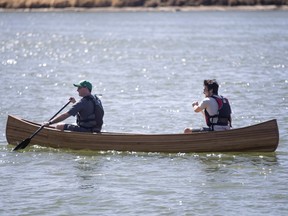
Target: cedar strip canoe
x=263 y=137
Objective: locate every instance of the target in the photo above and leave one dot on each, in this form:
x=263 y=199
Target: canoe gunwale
x=143 y=134
x=259 y=137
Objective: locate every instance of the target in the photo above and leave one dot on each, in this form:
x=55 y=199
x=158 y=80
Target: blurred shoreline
x=141 y=5
x=150 y=9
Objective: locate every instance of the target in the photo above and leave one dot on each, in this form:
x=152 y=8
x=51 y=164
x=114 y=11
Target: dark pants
x=77 y=128
x=203 y=129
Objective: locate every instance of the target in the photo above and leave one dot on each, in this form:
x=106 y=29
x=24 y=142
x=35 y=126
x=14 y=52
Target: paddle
x=26 y=142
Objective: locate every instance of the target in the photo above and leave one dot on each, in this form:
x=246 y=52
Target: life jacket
x=223 y=117
x=95 y=120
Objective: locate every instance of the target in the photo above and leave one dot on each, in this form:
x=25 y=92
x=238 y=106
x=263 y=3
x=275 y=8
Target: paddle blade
x=23 y=144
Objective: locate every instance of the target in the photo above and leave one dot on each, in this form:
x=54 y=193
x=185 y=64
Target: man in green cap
x=89 y=111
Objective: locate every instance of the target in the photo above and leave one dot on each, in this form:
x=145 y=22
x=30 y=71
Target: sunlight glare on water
x=148 y=68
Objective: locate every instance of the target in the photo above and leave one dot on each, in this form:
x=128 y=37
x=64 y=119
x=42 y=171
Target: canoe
x=262 y=137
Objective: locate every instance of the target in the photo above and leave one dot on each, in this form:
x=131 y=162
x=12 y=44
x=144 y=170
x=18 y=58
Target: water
x=149 y=67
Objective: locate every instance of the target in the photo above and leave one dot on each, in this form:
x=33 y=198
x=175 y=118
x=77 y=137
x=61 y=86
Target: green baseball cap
x=84 y=83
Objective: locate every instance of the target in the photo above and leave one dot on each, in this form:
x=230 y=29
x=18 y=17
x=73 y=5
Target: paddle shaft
x=25 y=142
x=49 y=120
x=60 y=110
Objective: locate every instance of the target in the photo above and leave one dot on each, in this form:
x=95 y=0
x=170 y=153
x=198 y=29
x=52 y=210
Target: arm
x=199 y=107
x=63 y=116
x=196 y=107
x=59 y=118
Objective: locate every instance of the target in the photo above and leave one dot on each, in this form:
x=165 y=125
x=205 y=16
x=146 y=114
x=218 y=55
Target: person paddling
x=89 y=111
x=216 y=109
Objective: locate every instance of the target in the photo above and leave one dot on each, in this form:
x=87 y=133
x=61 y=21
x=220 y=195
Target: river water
x=148 y=67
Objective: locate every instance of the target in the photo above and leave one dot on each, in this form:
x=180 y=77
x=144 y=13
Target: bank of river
x=144 y=4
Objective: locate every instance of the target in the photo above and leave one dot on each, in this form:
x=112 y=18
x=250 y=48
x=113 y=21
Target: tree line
x=132 y=3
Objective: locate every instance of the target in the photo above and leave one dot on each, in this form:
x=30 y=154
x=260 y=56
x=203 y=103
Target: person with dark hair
x=89 y=111
x=216 y=109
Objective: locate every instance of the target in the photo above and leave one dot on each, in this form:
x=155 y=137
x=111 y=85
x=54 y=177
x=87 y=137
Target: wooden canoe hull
x=263 y=137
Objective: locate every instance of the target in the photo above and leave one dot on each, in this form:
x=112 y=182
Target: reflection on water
x=223 y=163
x=87 y=172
